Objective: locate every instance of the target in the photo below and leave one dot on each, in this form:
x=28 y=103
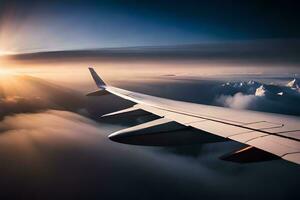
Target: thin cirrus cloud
x=274 y=52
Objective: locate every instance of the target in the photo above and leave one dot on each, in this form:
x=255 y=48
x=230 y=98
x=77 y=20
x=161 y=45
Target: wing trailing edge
x=249 y=154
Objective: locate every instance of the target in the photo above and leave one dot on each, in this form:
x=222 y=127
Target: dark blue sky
x=62 y=25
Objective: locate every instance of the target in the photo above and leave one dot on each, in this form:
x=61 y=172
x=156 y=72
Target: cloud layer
x=258 y=96
x=59 y=154
x=274 y=52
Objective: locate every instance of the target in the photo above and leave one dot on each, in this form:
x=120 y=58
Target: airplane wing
x=273 y=133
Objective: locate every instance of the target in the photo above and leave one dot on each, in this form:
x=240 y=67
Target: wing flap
x=263 y=125
x=293 y=157
x=153 y=110
x=249 y=154
x=245 y=137
x=182 y=119
x=276 y=145
x=293 y=134
x=217 y=128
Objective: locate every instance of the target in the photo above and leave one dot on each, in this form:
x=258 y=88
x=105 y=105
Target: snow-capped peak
x=241 y=84
x=251 y=82
x=226 y=84
x=260 y=91
x=293 y=84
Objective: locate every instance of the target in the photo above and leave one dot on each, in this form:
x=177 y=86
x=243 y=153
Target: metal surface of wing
x=274 y=133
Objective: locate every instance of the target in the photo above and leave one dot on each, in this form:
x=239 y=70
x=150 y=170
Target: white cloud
x=238 y=101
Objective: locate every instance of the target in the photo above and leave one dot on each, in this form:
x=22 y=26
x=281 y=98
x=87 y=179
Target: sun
x=5 y=72
x=5 y=53
x=2 y=52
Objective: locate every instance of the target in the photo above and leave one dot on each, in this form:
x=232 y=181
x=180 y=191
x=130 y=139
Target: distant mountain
x=260 y=91
x=260 y=96
x=294 y=84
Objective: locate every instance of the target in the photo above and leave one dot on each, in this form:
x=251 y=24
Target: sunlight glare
x=5 y=53
x=5 y=73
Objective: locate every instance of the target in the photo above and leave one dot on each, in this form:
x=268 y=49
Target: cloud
x=238 y=101
x=45 y=120
x=275 y=52
x=258 y=96
x=25 y=94
x=18 y=104
x=62 y=155
x=59 y=149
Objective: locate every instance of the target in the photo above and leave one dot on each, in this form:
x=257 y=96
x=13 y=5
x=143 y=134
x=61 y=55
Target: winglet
x=99 y=82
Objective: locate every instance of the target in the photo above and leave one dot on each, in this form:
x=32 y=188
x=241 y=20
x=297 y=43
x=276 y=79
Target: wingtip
x=99 y=82
x=91 y=69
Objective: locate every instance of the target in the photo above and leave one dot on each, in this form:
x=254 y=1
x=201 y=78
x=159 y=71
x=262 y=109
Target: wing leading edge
x=273 y=133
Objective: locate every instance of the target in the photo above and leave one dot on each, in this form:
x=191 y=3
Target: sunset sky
x=30 y=26
x=53 y=142
x=186 y=38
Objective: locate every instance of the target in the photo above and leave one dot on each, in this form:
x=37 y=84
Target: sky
x=33 y=26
